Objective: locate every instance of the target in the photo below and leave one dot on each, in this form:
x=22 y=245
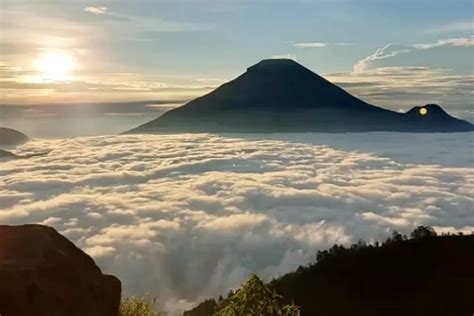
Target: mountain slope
x=280 y=95
x=426 y=276
x=421 y=276
x=434 y=119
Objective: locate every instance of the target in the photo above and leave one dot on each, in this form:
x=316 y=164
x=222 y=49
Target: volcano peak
x=280 y=95
x=284 y=65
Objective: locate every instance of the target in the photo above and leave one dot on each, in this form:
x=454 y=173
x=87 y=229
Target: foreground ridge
x=422 y=275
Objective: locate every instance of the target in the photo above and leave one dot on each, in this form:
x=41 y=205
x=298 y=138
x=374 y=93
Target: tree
x=256 y=299
x=423 y=232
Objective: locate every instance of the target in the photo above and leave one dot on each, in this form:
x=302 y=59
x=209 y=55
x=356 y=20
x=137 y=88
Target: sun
x=55 y=65
x=423 y=111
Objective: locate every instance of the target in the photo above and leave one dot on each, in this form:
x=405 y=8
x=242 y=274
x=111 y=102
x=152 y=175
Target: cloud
x=186 y=217
x=97 y=77
x=24 y=85
x=321 y=44
x=460 y=26
x=462 y=41
x=210 y=80
x=402 y=75
x=285 y=56
x=311 y=45
x=391 y=50
x=96 y=10
x=387 y=51
x=402 y=87
x=26 y=31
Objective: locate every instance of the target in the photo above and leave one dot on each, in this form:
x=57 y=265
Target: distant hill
x=425 y=275
x=280 y=95
x=10 y=136
x=4 y=154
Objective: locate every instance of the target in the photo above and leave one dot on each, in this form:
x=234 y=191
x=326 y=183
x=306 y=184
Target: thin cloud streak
x=460 y=26
x=392 y=50
x=311 y=45
x=96 y=10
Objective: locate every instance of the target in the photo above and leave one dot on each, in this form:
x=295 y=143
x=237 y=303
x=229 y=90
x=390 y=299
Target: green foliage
x=138 y=306
x=255 y=299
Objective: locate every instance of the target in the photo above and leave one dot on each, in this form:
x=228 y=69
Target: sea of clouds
x=185 y=217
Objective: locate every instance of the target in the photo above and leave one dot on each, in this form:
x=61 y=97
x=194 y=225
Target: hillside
x=424 y=275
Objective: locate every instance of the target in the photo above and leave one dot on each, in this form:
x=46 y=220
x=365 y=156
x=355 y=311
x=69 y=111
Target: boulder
x=44 y=274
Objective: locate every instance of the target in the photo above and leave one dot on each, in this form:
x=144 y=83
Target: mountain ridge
x=281 y=95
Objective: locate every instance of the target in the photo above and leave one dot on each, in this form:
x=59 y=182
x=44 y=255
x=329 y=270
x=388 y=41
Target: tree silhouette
x=423 y=232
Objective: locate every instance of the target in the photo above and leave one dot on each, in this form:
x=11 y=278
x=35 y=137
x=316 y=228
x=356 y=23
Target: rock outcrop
x=44 y=274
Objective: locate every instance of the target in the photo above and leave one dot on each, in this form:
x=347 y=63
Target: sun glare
x=55 y=65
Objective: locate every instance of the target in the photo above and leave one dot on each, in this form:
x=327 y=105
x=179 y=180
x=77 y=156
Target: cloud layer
x=320 y=44
x=189 y=216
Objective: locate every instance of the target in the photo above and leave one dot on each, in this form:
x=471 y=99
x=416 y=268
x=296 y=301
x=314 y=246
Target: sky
x=395 y=54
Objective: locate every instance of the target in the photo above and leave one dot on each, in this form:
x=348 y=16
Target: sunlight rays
x=55 y=65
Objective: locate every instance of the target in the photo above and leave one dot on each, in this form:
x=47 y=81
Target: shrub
x=138 y=306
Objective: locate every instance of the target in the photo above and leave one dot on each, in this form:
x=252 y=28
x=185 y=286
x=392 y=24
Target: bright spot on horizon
x=55 y=65
x=423 y=111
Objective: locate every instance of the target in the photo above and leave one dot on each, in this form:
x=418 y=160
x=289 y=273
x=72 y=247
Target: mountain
x=424 y=275
x=10 y=136
x=280 y=95
x=435 y=119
